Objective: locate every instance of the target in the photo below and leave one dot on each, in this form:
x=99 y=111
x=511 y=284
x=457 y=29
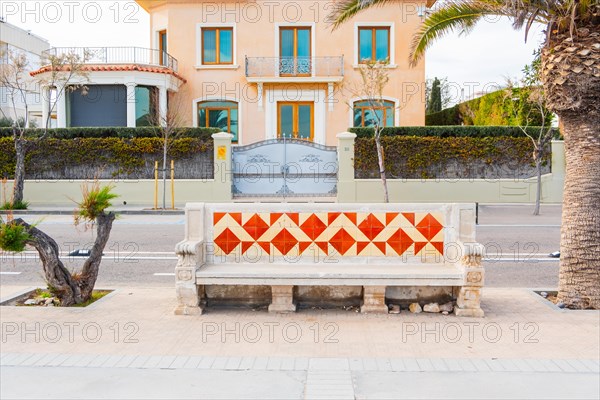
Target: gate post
x=346 y=189
x=222 y=167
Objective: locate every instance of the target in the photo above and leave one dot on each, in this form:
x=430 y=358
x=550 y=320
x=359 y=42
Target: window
x=217 y=45
x=162 y=47
x=145 y=109
x=295 y=51
x=219 y=114
x=373 y=44
x=368 y=113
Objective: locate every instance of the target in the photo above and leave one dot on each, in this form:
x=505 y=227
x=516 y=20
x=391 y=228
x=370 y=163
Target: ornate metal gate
x=284 y=168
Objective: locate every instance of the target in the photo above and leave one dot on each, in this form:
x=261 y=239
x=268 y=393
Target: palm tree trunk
x=579 y=276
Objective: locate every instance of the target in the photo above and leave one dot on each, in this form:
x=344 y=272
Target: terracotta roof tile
x=118 y=67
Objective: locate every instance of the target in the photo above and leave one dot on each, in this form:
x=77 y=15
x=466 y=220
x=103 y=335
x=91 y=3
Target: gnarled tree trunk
x=76 y=288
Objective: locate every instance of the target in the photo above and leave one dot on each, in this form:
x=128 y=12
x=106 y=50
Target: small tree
x=434 y=103
x=69 y=288
x=437 y=95
x=530 y=105
x=167 y=121
x=374 y=78
x=63 y=69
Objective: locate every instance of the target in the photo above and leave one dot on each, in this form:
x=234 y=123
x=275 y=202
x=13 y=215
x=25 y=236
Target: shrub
x=95 y=200
x=16 y=205
x=13 y=237
x=454 y=157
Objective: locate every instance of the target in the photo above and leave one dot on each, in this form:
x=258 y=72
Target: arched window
x=219 y=114
x=368 y=113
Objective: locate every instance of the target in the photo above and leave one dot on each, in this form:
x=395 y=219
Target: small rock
x=448 y=307
x=395 y=309
x=50 y=305
x=49 y=300
x=544 y=294
x=30 y=302
x=432 y=308
x=445 y=312
x=560 y=305
x=415 y=308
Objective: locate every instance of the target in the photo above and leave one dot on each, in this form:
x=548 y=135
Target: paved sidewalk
x=130 y=343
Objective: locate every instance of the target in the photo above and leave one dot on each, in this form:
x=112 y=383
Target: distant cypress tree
x=435 y=98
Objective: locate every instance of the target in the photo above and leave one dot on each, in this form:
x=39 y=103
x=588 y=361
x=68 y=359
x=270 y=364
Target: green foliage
x=126 y=155
x=501 y=107
x=95 y=200
x=114 y=132
x=13 y=237
x=429 y=157
x=450 y=131
x=5 y=122
x=435 y=97
x=18 y=205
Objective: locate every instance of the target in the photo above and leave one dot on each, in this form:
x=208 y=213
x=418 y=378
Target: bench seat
x=325 y=275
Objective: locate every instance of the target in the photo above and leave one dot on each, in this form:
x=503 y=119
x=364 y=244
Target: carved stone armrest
x=190 y=255
x=471 y=263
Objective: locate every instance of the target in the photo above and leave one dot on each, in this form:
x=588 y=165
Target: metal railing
x=294 y=66
x=117 y=55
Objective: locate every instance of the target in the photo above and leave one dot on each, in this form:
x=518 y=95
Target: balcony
x=294 y=69
x=118 y=55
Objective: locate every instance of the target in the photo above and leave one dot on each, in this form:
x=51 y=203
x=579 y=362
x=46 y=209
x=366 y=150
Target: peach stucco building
x=257 y=69
x=265 y=68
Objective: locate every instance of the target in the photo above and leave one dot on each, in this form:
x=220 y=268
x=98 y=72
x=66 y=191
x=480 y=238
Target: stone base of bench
x=374 y=300
x=187 y=310
x=282 y=299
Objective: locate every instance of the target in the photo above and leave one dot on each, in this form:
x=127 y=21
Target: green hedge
x=494 y=108
x=113 y=132
x=449 y=131
x=457 y=157
x=107 y=157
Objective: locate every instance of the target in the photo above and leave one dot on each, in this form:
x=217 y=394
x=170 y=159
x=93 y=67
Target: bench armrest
x=190 y=257
x=470 y=263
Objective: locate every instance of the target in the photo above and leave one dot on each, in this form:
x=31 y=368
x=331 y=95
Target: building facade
x=256 y=69
x=13 y=41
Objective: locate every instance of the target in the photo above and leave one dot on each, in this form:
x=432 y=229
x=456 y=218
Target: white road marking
x=517 y=226
x=164 y=274
x=10 y=273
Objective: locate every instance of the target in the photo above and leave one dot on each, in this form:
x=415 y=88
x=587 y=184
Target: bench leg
x=282 y=299
x=189 y=295
x=468 y=302
x=374 y=300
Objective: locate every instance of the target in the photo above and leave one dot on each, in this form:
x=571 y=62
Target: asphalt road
x=140 y=249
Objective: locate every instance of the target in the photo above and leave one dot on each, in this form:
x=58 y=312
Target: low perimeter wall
x=350 y=190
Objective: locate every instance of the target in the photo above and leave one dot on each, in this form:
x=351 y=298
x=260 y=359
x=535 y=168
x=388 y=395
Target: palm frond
x=344 y=10
x=459 y=16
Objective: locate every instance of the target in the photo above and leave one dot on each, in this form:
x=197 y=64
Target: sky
x=471 y=63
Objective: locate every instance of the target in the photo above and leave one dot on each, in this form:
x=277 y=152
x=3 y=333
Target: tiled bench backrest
x=313 y=233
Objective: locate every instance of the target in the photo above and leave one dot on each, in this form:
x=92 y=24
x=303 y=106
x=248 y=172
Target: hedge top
x=451 y=131
x=114 y=132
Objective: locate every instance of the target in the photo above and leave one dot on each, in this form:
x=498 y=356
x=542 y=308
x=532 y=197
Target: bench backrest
x=319 y=232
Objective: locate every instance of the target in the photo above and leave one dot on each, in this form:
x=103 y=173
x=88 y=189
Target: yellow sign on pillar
x=222 y=153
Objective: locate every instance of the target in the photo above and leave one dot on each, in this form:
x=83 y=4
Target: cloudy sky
x=485 y=57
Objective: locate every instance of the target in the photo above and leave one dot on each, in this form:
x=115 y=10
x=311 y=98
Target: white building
x=16 y=40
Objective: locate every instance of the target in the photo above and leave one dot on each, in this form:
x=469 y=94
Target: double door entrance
x=295 y=120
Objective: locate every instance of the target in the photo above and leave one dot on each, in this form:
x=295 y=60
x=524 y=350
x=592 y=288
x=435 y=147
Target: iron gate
x=284 y=168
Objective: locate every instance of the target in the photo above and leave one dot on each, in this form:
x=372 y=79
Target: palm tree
x=570 y=74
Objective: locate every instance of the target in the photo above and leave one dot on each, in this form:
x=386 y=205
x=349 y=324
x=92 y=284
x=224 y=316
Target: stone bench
x=389 y=251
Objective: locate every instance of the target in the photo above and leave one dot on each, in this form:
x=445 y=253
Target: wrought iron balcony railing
x=294 y=66
x=117 y=55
